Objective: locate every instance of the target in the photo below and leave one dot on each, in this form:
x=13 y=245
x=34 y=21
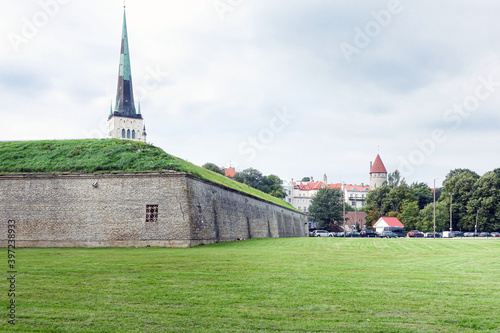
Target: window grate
x=151 y=213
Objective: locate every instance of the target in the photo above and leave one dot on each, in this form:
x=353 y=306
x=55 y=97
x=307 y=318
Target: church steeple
x=124 y=122
x=125 y=106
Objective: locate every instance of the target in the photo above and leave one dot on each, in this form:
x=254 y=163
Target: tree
x=326 y=208
x=306 y=179
x=397 y=196
x=426 y=217
x=409 y=215
x=394 y=179
x=374 y=202
x=484 y=203
x=460 y=183
x=268 y=184
x=423 y=193
x=213 y=167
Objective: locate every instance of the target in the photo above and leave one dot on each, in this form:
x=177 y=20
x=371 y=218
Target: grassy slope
x=105 y=156
x=265 y=285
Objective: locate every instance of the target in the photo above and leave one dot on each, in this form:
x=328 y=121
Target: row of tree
x=469 y=199
x=270 y=184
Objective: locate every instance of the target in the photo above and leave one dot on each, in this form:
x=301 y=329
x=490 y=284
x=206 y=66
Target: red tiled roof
x=378 y=166
x=314 y=186
x=358 y=188
x=392 y=221
x=230 y=172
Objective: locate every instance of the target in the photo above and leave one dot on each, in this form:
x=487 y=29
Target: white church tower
x=124 y=122
x=378 y=173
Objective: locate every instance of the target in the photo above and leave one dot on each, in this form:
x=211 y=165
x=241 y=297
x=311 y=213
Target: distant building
x=124 y=122
x=354 y=219
x=387 y=222
x=230 y=172
x=355 y=195
x=378 y=173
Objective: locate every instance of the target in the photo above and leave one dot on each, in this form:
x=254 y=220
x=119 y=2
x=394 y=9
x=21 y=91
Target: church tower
x=124 y=121
x=378 y=173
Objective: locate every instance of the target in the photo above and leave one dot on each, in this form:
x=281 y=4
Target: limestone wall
x=110 y=211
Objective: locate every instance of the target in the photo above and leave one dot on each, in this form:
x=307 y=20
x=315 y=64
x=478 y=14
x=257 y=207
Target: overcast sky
x=294 y=88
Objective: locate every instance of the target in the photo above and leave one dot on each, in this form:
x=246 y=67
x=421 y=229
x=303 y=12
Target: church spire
x=125 y=106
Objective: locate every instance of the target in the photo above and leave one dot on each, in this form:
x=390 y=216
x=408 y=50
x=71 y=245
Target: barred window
x=151 y=213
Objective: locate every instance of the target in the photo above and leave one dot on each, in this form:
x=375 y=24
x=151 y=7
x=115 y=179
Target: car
x=484 y=234
x=431 y=235
x=332 y=234
x=351 y=234
x=471 y=234
x=456 y=234
x=415 y=234
x=399 y=231
x=388 y=234
x=368 y=233
x=320 y=233
x=340 y=234
x=495 y=234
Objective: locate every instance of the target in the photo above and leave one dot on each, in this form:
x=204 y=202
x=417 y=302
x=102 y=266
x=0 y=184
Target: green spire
x=125 y=106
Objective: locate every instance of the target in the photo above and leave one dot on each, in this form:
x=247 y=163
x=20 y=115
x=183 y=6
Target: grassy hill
x=105 y=156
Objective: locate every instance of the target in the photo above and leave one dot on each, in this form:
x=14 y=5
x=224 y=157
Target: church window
x=128 y=134
x=133 y=134
x=123 y=133
x=151 y=213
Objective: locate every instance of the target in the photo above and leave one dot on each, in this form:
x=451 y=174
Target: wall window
x=133 y=134
x=128 y=134
x=151 y=213
x=123 y=133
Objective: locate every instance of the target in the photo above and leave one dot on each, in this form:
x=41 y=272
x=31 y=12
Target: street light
x=451 y=211
x=435 y=207
x=343 y=207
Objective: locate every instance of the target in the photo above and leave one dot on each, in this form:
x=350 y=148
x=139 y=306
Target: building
x=387 y=222
x=355 y=195
x=355 y=220
x=230 y=172
x=378 y=173
x=125 y=122
x=300 y=194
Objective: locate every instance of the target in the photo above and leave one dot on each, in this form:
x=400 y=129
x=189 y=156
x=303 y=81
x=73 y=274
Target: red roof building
x=230 y=172
x=378 y=173
x=387 y=222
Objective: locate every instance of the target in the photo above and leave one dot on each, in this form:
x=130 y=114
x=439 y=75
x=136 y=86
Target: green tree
x=213 y=167
x=306 y=179
x=426 y=217
x=460 y=183
x=272 y=184
x=326 y=208
x=484 y=203
x=397 y=196
x=252 y=177
x=394 y=179
x=409 y=215
x=374 y=203
x=423 y=193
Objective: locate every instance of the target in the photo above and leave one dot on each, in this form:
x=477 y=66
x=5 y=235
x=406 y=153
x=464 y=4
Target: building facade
x=124 y=121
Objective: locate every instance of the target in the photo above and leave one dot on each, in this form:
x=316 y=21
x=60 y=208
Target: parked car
x=484 y=234
x=456 y=234
x=431 y=235
x=311 y=233
x=320 y=233
x=351 y=234
x=495 y=234
x=415 y=234
x=388 y=234
x=340 y=234
x=368 y=233
x=471 y=234
x=399 y=231
x=332 y=234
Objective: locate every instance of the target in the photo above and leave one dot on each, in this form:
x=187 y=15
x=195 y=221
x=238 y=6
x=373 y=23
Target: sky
x=292 y=88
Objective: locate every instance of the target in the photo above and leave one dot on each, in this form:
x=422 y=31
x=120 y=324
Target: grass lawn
x=264 y=285
x=106 y=156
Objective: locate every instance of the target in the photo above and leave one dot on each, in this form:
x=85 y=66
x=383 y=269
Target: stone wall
x=109 y=210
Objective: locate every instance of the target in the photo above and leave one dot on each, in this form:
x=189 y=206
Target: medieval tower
x=378 y=173
x=124 y=121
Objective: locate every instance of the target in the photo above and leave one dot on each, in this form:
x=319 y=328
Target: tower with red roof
x=378 y=173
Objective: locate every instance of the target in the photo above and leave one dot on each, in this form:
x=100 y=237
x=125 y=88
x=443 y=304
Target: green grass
x=106 y=156
x=264 y=285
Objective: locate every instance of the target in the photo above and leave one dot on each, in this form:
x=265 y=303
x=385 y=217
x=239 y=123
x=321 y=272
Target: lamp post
x=451 y=212
x=435 y=208
x=343 y=207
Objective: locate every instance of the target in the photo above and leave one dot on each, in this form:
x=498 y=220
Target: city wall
x=110 y=210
